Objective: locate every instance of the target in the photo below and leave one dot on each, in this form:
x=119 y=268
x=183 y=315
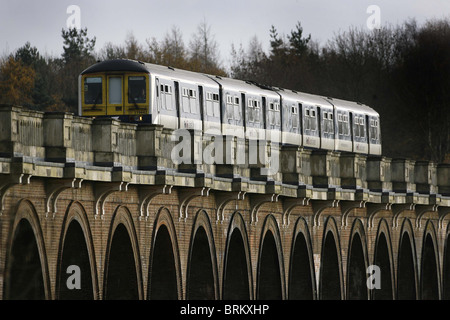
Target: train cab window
x=93 y=90
x=115 y=90
x=137 y=88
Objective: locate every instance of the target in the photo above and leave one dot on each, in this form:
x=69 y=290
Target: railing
x=71 y=141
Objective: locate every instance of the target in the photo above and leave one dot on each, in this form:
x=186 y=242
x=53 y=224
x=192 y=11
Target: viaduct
x=96 y=209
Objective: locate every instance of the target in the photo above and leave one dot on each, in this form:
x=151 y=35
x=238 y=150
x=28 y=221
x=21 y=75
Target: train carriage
x=357 y=127
x=134 y=91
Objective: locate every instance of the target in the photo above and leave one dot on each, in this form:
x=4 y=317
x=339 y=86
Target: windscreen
x=93 y=90
x=136 y=90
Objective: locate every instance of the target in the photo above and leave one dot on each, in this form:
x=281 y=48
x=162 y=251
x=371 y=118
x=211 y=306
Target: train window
x=307 y=112
x=295 y=122
x=93 y=90
x=216 y=110
x=166 y=89
x=251 y=114
x=294 y=109
x=229 y=112
x=185 y=92
x=237 y=113
x=137 y=89
x=209 y=109
x=236 y=100
x=115 y=90
x=325 y=116
x=313 y=113
x=192 y=94
x=330 y=115
x=277 y=107
x=215 y=97
x=271 y=106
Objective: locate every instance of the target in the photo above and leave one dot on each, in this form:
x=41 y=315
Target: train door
x=319 y=126
x=115 y=95
x=157 y=111
x=177 y=102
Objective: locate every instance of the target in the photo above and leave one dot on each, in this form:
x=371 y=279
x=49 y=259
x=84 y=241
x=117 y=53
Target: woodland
x=402 y=71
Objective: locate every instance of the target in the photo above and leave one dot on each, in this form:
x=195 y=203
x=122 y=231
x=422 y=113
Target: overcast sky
x=231 y=21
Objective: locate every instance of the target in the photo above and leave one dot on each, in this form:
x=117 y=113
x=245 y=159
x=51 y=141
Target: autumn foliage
x=16 y=82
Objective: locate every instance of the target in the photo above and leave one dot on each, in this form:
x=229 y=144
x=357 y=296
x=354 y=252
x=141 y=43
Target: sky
x=231 y=21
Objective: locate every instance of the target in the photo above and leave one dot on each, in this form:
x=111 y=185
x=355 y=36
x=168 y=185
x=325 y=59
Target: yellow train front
x=115 y=88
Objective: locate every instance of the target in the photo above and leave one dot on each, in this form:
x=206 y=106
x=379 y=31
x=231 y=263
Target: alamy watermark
x=74 y=20
x=374 y=20
x=213 y=148
x=74 y=280
x=374 y=279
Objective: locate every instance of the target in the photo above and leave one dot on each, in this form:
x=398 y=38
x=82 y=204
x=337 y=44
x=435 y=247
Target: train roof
x=304 y=98
x=243 y=86
x=352 y=106
x=116 y=65
x=181 y=75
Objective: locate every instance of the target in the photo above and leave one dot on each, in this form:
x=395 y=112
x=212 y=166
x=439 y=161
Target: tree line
x=402 y=71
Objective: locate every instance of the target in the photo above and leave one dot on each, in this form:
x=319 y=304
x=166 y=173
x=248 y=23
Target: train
x=139 y=92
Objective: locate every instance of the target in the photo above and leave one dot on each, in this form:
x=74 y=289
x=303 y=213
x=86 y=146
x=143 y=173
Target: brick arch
x=202 y=227
x=122 y=217
x=25 y=210
x=446 y=266
x=357 y=263
x=326 y=266
x=407 y=252
x=302 y=286
x=383 y=257
x=237 y=224
x=164 y=219
x=76 y=212
x=430 y=279
x=270 y=227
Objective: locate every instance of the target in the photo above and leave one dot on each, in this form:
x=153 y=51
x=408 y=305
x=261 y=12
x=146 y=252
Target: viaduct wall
x=106 y=197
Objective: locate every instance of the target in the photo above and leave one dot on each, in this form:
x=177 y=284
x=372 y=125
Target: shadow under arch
x=270 y=275
x=202 y=281
x=26 y=268
x=430 y=276
x=165 y=276
x=237 y=275
x=122 y=274
x=407 y=267
x=357 y=263
x=383 y=258
x=302 y=283
x=330 y=281
x=76 y=248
